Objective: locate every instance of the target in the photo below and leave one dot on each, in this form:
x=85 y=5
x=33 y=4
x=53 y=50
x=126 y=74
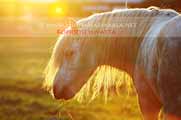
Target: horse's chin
x=65 y=94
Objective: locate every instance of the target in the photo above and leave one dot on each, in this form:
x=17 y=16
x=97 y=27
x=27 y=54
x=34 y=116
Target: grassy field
x=22 y=61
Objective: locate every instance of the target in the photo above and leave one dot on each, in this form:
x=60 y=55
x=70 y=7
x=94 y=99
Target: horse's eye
x=69 y=53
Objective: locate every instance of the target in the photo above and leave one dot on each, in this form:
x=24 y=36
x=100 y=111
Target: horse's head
x=73 y=61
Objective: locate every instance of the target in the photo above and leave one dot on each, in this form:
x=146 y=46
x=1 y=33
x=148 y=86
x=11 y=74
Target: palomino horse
x=145 y=43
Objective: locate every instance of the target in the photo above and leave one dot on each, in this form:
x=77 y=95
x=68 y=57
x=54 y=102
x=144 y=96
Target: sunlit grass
x=22 y=62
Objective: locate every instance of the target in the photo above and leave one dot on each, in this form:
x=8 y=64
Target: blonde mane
x=106 y=77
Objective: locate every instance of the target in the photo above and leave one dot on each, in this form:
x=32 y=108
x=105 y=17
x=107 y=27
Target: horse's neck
x=122 y=51
x=120 y=54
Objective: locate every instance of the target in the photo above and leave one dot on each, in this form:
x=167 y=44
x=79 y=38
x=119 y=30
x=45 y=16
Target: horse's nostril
x=56 y=93
x=62 y=94
x=66 y=94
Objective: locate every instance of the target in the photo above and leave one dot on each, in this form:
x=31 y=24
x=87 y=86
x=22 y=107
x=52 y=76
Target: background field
x=22 y=61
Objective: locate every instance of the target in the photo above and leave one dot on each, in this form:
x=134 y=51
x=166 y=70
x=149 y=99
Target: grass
x=22 y=61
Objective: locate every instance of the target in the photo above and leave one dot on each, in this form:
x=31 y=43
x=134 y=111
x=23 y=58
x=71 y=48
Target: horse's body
x=148 y=51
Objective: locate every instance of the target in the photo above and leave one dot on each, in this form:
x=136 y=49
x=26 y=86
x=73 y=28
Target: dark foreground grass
x=22 y=61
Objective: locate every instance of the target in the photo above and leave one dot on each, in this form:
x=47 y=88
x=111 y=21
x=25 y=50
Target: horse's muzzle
x=65 y=93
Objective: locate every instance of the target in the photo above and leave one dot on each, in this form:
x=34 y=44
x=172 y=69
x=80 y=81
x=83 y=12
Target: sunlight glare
x=59 y=10
x=40 y=1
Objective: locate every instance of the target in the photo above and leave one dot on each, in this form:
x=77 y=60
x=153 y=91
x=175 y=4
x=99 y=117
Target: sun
x=58 y=10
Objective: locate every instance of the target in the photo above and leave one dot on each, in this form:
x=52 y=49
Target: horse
x=143 y=42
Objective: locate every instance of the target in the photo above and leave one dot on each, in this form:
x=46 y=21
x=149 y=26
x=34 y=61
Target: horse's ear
x=73 y=25
x=153 y=8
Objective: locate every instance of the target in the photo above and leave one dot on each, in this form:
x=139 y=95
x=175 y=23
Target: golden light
x=39 y=1
x=59 y=10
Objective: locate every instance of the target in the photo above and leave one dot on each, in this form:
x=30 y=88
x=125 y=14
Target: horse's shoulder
x=169 y=38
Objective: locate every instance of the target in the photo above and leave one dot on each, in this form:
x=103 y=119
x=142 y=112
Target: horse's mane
x=94 y=22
